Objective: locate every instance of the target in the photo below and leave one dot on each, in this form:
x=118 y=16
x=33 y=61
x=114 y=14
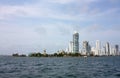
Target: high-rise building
x=70 y=48
x=104 y=50
x=107 y=48
x=86 y=48
x=93 y=50
x=113 y=51
x=116 y=49
x=76 y=42
x=98 y=47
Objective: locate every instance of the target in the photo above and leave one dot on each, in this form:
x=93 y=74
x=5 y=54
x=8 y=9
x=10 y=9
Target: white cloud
x=42 y=10
x=33 y=38
x=53 y=34
x=79 y=12
x=30 y=11
x=72 y=1
x=62 y=1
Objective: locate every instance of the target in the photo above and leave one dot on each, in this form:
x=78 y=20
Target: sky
x=34 y=25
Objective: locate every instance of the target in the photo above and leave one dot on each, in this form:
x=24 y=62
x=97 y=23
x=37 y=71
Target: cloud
x=62 y=1
x=41 y=30
x=115 y=27
x=50 y=24
x=30 y=11
x=42 y=10
x=72 y=1
x=114 y=1
x=94 y=28
x=108 y=12
x=24 y=11
x=15 y=38
x=21 y=39
x=15 y=35
x=96 y=31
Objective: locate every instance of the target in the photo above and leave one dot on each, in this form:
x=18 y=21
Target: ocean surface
x=60 y=67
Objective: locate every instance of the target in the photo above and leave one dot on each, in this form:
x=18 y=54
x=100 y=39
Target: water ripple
x=71 y=67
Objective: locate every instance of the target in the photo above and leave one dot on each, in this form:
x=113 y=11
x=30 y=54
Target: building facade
x=98 y=47
x=86 y=49
x=75 y=42
x=107 y=48
x=70 y=48
x=116 y=49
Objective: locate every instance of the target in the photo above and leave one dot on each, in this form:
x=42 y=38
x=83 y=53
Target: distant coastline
x=62 y=54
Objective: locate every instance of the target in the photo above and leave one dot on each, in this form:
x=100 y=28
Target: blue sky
x=33 y=25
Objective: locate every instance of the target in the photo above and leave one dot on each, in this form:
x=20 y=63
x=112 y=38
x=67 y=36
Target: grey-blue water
x=64 y=67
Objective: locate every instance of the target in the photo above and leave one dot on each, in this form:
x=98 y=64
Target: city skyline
x=106 y=49
x=34 y=25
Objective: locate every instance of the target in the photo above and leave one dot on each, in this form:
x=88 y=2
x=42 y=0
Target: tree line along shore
x=58 y=54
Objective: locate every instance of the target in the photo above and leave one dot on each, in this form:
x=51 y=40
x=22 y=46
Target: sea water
x=60 y=67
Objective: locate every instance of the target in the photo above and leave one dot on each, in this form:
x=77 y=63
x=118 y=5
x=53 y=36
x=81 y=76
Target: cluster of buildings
x=86 y=49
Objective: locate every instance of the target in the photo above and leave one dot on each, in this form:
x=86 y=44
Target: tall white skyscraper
x=111 y=53
x=98 y=47
x=93 y=51
x=70 y=48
